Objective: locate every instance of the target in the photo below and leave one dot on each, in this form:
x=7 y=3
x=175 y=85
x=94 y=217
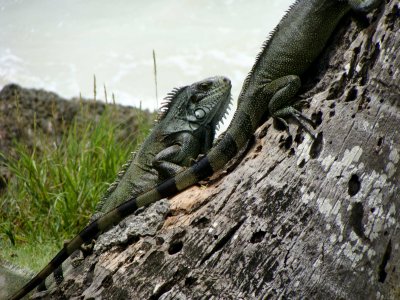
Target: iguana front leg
x=281 y=105
x=172 y=159
x=163 y=162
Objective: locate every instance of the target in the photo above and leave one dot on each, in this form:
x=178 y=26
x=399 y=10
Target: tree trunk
x=297 y=217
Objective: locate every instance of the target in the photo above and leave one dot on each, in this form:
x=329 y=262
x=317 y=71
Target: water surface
x=59 y=45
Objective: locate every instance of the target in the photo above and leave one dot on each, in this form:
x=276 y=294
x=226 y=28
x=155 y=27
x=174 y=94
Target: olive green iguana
x=185 y=128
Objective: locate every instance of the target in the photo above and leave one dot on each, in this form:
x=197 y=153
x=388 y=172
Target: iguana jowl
x=185 y=128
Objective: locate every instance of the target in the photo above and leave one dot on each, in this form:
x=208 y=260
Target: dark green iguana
x=185 y=128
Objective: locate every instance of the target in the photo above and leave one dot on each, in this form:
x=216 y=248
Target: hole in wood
x=316 y=146
x=302 y=163
x=354 y=185
x=351 y=95
x=380 y=141
x=385 y=259
x=257 y=237
x=356 y=216
x=201 y=222
x=159 y=240
x=298 y=138
x=175 y=247
x=190 y=281
x=107 y=281
x=288 y=142
x=317 y=118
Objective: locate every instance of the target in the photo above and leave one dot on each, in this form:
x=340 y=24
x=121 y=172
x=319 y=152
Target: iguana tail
x=85 y=236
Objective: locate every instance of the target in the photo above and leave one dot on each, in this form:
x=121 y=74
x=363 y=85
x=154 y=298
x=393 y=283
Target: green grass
x=56 y=185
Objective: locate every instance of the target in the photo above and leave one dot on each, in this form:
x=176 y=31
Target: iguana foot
x=303 y=121
x=279 y=107
x=199 y=157
x=87 y=248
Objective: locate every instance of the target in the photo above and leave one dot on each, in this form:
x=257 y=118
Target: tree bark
x=297 y=218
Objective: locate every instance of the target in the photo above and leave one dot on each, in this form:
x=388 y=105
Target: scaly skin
x=185 y=129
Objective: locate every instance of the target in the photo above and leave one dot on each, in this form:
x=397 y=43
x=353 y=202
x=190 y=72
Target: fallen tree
x=295 y=217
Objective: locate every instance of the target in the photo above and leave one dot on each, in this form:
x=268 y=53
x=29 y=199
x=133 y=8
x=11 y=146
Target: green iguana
x=185 y=128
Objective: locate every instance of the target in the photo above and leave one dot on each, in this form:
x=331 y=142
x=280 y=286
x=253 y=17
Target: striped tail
x=85 y=236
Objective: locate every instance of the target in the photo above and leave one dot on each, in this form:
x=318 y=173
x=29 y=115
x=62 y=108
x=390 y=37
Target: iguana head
x=201 y=104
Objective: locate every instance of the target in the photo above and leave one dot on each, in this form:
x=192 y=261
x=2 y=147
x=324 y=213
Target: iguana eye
x=204 y=86
x=200 y=114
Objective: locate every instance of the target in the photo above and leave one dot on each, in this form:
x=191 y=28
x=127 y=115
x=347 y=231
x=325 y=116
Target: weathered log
x=297 y=218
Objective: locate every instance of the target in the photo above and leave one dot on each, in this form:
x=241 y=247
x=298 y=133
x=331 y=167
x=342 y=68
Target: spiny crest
x=225 y=113
x=263 y=47
x=246 y=82
x=120 y=174
x=167 y=103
